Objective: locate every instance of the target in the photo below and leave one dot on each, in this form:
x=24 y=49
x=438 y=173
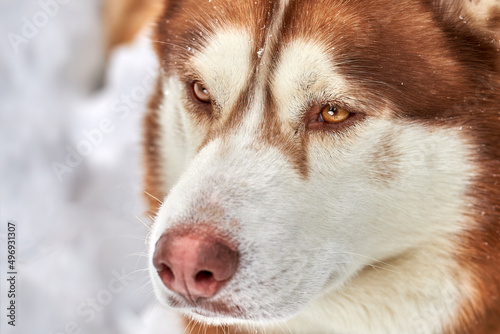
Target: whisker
x=366 y=263
x=166 y=43
x=369 y=258
x=153 y=197
x=140 y=254
x=190 y=324
x=144 y=285
x=140 y=270
x=288 y=326
x=143 y=223
x=131 y=273
x=137 y=237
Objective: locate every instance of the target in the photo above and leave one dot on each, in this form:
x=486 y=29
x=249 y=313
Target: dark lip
x=207 y=308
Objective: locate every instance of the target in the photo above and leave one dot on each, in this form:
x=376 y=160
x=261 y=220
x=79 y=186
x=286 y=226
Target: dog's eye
x=200 y=92
x=331 y=114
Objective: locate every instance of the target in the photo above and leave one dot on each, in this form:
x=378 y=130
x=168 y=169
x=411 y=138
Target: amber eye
x=330 y=114
x=201 y=92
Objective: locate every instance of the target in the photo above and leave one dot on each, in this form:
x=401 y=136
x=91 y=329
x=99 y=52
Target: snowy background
x=70 y=173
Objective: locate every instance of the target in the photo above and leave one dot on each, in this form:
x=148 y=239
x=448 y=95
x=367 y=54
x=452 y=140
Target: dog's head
x=300 y=142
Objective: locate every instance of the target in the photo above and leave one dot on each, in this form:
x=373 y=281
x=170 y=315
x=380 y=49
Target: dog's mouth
x=207 y=308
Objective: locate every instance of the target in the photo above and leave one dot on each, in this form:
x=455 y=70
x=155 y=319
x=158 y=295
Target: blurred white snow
x=80 y=246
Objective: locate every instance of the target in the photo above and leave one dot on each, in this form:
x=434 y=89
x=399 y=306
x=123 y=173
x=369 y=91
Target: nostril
x=166 y=274
x=204 y=276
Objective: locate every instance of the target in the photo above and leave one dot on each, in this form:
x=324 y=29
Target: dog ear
x=482 y=16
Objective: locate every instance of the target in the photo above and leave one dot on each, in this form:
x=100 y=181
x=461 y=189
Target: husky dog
x=327 y=166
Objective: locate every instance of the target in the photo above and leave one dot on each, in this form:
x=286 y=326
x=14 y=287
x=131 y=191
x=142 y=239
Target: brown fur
x=123 y=19
x=153 y=183
x=494 y=19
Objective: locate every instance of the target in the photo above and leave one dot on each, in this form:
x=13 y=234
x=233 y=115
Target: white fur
x=479 y=9
x=305 y=74
x=419 y=285
x=475 y=13
x=224 y=66
x=179 y=136
x=342 y=251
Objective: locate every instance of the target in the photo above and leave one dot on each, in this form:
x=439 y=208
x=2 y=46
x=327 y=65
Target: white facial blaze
x=305 y=73
x=224 y=65
x=179 y=136
x=311 y=249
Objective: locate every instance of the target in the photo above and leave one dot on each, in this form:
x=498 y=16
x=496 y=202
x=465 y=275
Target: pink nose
x=194 y=266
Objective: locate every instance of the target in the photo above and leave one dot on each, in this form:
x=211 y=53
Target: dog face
x=312 y=140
